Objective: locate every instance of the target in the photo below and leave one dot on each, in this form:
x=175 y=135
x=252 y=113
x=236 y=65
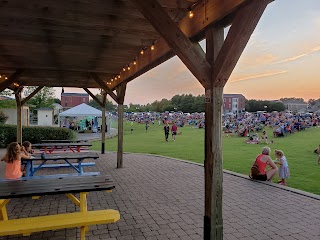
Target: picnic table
x=62 y=141
x=31 y=168
x=51 y=146
x=69 y=185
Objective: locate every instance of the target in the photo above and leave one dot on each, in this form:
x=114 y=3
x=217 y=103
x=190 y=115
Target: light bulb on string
x=190 y=14
x=128 y=67
x=141 y=52
x=152 y=46
x=135 y=62
x=124 y=69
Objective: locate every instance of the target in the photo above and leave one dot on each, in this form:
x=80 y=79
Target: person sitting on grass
x=13 y=161
x=258 y=169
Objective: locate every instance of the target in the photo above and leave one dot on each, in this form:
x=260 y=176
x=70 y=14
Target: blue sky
x=281 y=59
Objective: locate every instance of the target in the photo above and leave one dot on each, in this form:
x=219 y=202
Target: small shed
x=45 y=116
x=12 y=115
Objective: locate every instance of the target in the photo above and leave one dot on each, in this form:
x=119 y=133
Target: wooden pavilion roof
x=60 y=43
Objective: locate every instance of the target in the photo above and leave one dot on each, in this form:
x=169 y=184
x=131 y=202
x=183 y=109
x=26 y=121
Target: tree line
x=184 y=103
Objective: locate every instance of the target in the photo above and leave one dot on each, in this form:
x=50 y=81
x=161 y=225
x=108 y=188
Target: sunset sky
x=282 y=59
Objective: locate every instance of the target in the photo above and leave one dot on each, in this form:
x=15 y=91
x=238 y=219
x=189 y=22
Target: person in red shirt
x=258 y=169
x=174 y=129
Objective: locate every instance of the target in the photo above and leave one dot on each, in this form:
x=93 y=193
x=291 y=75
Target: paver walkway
x=161 y=198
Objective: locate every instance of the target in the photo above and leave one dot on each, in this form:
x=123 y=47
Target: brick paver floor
x=161 y=198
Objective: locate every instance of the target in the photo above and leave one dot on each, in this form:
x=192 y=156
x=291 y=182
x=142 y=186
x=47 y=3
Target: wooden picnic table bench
x=62 y=141
x=31 y=168
x=69 y=185
x=50 y=147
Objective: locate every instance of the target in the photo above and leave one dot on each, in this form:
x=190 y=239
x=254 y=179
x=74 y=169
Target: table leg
x=83 y=208
x=28 y=168
x=80 y=166
x=3 y=209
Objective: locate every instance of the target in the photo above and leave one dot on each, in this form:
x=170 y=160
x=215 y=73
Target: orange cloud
x=238 y=79
x=314 y=50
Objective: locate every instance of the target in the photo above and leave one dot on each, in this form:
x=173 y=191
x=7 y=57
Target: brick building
x=233 y=103
x=69 y=100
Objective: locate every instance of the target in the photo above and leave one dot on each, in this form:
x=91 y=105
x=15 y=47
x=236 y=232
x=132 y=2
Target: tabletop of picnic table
x=39 y=187
x=58 y=156
x=62 y=144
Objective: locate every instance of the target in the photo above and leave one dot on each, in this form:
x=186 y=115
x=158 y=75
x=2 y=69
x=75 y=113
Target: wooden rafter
x=93 y=96
x=13 y=77
x=104 y=87
x=205 y=14
x=31 y=95
x=192 y=57
x=238 y=36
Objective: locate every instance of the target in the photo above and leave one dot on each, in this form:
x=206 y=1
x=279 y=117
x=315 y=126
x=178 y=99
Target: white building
x=45 y=116
x=12 y=115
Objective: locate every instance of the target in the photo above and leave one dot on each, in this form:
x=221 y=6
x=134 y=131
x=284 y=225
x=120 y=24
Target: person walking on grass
x=166 y=129
x=131 y=127
x=174 y=129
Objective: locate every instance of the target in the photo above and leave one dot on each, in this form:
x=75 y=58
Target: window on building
x=83 y=99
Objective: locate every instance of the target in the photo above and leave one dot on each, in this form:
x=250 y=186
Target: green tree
x=6 y=93
x=3 y=117
x=44 y=98
x=109 y=105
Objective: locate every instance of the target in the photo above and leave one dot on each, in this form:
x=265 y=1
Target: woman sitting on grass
x=13 y=161
x=258 y=169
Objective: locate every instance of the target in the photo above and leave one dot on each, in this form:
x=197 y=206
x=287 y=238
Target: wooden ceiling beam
x=180 y=44
x=205 y=14
x=244 y=23
x=93 y=97
x=11 y=79
x=104 y=87
x=31 y=95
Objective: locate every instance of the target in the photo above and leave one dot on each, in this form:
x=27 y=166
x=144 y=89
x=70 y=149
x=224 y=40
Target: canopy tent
x=81 y=110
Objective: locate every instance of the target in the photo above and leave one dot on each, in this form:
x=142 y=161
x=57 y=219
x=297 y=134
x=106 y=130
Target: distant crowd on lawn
x=179 y=118
x=282 y=123
x=243 y=124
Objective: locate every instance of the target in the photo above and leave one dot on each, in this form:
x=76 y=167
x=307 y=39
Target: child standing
x=284 y=171
x=13 y=161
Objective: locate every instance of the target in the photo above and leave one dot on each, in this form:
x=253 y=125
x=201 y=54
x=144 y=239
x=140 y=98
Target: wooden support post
x=19 y=115
x=121 y=91
x=103 y=127
x=213 y=222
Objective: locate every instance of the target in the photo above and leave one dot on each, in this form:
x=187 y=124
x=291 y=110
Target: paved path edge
x=294 y=190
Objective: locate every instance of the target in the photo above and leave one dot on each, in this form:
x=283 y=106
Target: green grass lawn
x=237 y=155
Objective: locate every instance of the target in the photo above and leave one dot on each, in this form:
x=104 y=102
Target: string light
x=111 y=79
x=124 y=69
x=141 y=52
x=134 y=62
x=128 y=67
x=190 y=14
x=152 y=46
x=119 y=76
x=5 y=77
